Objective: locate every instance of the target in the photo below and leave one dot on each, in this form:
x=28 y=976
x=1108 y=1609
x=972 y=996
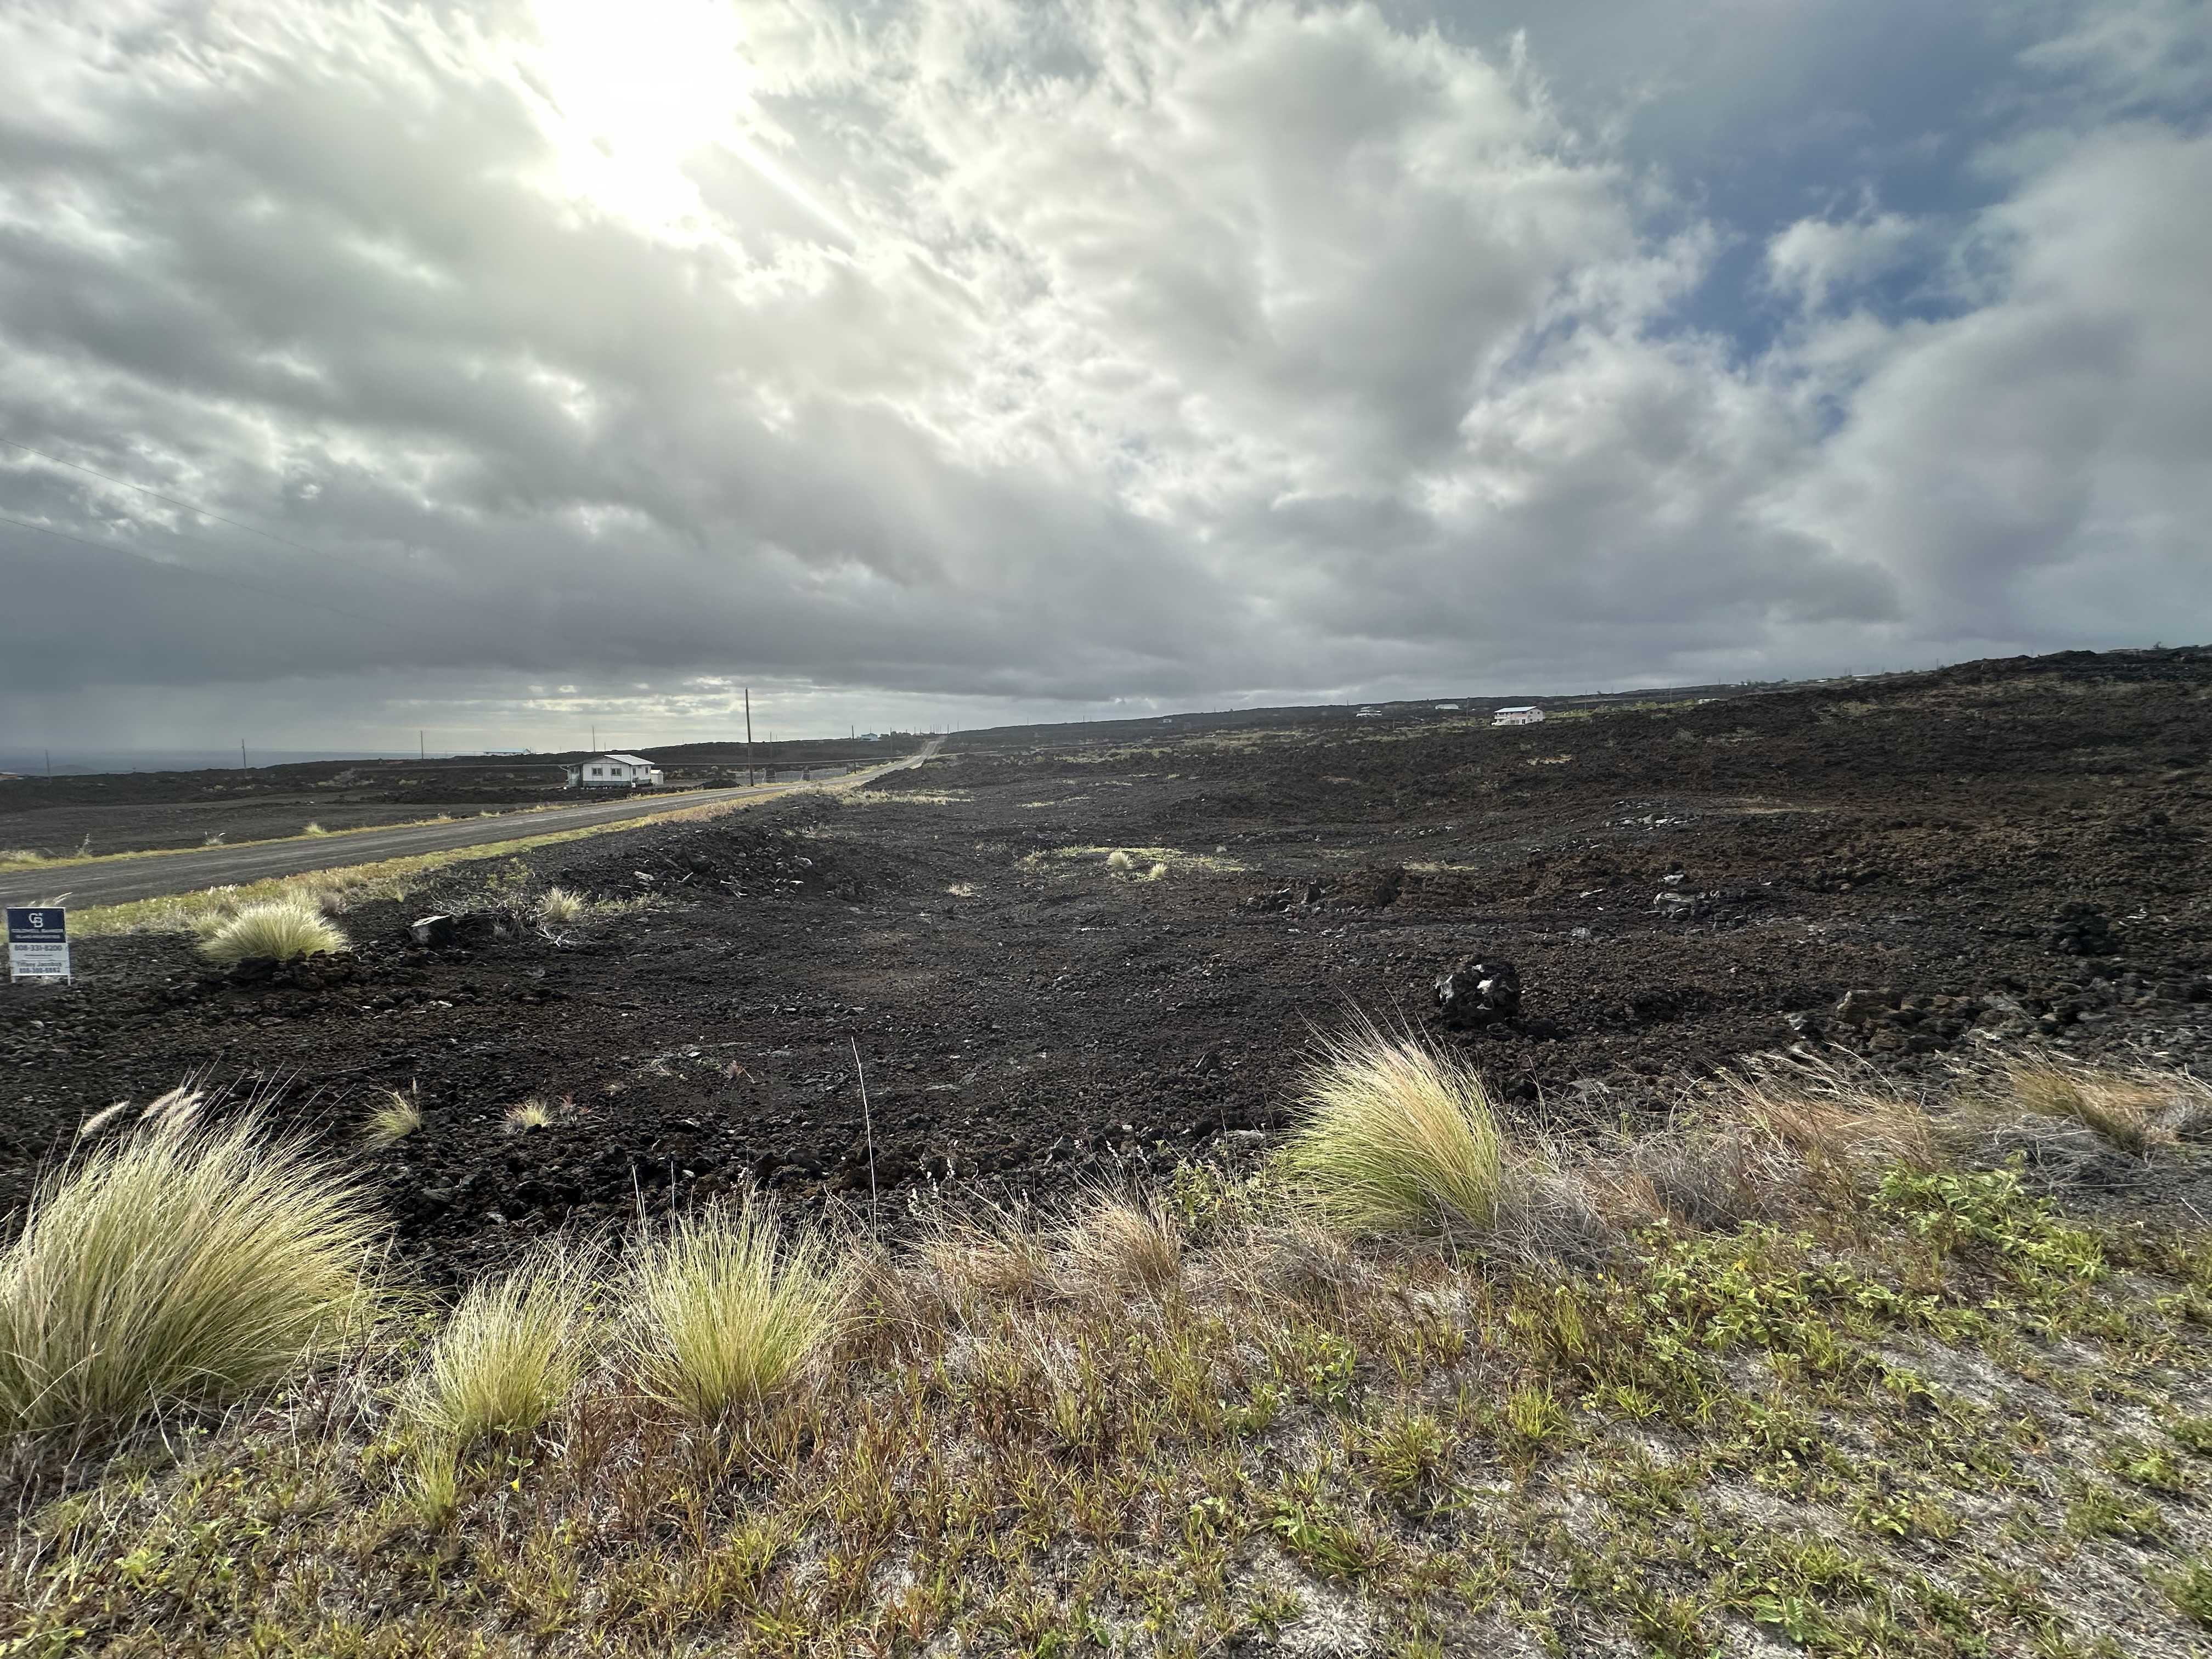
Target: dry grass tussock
x=559 y=908
x=727 y=1315
x=1124 y=1242
x=1785 y=1136
x=509 y=1355
x=986 y=1260
x=2135 y=1108
x=399 y=1116
x=1828 y=1116
x=284 y=929
x=181 y=1263
x=526 y=1115
x=1398 y=1136
x=1137 y=863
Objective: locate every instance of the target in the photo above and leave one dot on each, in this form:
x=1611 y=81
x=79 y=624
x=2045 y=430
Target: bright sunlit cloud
x=631 y=96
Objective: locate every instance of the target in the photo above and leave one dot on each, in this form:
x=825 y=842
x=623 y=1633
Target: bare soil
x=1924 y=869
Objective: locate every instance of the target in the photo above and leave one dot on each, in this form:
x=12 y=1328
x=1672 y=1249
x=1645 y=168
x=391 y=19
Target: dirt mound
x=733 y=858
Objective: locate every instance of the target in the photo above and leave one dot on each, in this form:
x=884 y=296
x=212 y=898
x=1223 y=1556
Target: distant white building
x=1520 y=714
x=1447 y=708
x=1368 y=714
x=614 y=772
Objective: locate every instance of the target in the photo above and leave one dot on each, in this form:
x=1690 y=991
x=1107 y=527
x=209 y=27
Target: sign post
x=38 y=942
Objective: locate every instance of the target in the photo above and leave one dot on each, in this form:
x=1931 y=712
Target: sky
x=499 y=370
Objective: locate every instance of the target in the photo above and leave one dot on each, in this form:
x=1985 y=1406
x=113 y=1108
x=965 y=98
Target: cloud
x=1063 y=354
x=1817 y=260
x=2037 y=463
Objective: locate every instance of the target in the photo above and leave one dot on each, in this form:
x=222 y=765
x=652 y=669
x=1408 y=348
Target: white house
x=1368 y=714
x=1447 y=708
x=1520 y=714
x=613 y=772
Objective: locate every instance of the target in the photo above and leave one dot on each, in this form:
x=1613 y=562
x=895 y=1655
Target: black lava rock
x=1477 y=994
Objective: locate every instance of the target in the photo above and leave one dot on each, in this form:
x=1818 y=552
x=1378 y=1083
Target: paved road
x=150 y=876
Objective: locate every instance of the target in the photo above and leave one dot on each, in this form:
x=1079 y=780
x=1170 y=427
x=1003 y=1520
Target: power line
x=174 y=500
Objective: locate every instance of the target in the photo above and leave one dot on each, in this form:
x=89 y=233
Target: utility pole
x=242 y=755
x=421 y=744
x=749 y=737
x=49 y=762
x=595 y=737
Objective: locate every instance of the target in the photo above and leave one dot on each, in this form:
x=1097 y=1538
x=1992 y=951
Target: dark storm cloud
x=1077 y=354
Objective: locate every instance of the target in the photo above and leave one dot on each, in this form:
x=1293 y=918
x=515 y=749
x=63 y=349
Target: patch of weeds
x=1311 y=1530
x=1903 y=1514
x=1407 y=1452
x=1255 y=1414
x=1759 y=1288
x=1320 y=1364
x=2189 y=1589
x=2192 y=1434
x=2152 y=1467
x=1269 y=1611
x=1531 y=1419
x=1210 y=1201
x=1779 y=1442
x=1669 y=1624
x=2097 y=1512
x=1953 y=1209
x=1644 y=1488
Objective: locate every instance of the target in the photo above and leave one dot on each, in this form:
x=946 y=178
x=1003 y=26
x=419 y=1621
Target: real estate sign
x=38 y=942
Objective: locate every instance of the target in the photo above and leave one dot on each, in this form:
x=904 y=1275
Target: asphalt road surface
x=118 y=881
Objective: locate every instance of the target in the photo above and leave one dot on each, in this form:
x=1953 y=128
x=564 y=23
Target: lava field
x=1922 y=870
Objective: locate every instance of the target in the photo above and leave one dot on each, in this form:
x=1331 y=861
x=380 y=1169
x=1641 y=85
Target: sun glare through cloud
x=631 y=97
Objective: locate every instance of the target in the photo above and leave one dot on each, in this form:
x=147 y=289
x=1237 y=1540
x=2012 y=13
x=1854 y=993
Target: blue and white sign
x=38 y=942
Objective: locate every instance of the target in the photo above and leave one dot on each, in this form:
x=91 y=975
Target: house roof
x=1519 y=708
x=628 y=760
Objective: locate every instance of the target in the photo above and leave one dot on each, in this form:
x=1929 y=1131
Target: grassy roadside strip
x=386 y=878
x=13 y=861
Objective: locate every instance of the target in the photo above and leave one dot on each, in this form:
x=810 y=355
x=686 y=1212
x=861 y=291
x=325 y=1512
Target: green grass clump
x=285 y=929
x=728 y=1315
x=1397 y=1137
x=2189 y=1589
x=180 y=1265
x=510 y=1354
